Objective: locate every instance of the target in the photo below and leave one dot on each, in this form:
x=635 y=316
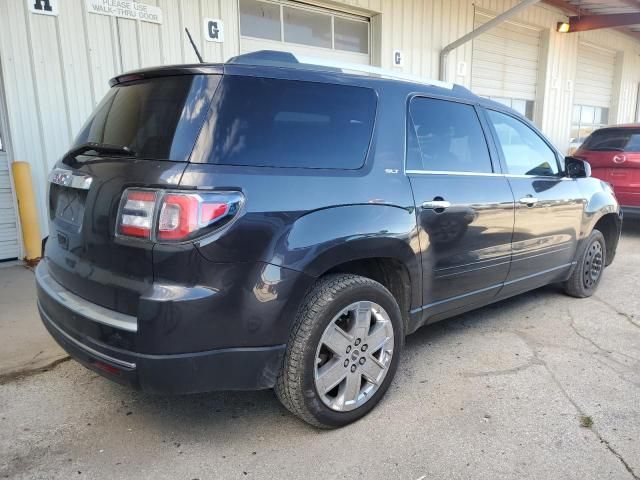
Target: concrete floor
x=496 y=393
x=25 y=344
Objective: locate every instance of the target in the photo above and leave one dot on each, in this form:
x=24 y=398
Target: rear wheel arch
x=390 y=272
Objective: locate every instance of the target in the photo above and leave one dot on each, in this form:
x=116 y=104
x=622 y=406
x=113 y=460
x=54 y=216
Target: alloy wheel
x=353 y=356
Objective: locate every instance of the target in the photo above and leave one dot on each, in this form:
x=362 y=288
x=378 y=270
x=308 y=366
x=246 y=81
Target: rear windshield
x=157 y=118
x=284 y=123
x=622 y=139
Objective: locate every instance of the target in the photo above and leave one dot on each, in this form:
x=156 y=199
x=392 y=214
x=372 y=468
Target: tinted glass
x=624 y=140
x=525 y=153
x=447 y=136
x=351 y=35
x=285 y=123
x=157 y=118
x=259 y=19
x=308 y=28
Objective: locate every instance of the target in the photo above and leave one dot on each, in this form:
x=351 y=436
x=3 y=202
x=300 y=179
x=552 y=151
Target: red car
x=614 y=156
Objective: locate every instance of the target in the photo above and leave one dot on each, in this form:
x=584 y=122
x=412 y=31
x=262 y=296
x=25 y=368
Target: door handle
x=529 y=201
x=436 y=205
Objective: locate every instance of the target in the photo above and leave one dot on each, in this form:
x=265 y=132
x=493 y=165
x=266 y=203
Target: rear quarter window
x=285 y=123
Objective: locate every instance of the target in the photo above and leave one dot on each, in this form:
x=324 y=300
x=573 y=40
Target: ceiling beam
x=632 y=3
x=593 y=22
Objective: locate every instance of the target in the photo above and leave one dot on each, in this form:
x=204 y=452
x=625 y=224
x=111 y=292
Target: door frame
x=8 y=148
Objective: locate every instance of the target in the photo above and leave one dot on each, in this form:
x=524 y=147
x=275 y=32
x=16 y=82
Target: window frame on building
x=309 y=11
x=529 y=105
x=578 y=125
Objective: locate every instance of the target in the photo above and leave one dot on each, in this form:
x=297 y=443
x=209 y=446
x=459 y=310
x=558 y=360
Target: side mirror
x=576 y=168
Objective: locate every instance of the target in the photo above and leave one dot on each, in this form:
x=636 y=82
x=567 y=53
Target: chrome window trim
x=83 y=307
x=448 y=172
x=483 y=174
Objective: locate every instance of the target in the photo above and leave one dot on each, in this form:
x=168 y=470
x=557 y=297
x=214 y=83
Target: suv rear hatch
x=140 y=135
x=614 y=156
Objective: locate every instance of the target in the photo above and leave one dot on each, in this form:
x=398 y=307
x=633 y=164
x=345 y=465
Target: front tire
x=587 y=274
x=343 y=351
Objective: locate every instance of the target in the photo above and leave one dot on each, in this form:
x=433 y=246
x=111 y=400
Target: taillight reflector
x=182 y=214
x=136 y=216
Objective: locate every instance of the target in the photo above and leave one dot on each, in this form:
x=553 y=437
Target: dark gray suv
x=269 y=223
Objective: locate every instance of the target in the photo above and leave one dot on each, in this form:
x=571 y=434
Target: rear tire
x=331 y=376
x=587 y=273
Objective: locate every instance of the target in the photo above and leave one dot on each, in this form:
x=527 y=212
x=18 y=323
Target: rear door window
x=269 y=122
x=156 y=118
x=446 y=136
x=611 y=140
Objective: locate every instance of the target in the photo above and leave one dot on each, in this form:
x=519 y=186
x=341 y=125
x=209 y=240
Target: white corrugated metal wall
x=56 y=68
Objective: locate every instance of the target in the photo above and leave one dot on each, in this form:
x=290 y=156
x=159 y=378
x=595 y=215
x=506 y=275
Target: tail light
x=136 y=213
x=174 y=216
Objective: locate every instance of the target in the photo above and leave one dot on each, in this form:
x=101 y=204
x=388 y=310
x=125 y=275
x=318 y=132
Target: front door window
x=524 y=152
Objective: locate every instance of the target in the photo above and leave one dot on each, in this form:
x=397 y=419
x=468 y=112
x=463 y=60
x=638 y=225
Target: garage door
x=594 y=76
x=593 y=91
x=8 y=225
x=505 y=64
x=304 y=30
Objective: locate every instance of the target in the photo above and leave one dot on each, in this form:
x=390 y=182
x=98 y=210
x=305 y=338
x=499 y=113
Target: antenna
x=194 y=45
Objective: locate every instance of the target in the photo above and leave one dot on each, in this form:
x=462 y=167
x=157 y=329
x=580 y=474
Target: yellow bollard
x=28 y=211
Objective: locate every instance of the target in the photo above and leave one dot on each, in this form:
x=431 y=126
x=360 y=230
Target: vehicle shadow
x=225 y=415
x=631 y=228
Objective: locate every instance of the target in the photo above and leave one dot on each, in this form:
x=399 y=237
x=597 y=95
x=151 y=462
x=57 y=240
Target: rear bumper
x=631 y=212
x=242 y=368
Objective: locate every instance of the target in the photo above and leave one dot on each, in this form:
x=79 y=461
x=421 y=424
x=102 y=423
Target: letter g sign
x=213 y=30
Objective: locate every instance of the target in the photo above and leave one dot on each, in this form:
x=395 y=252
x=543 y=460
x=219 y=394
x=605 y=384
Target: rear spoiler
x=168 y=71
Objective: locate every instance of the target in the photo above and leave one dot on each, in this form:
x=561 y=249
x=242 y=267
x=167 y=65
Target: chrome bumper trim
x=81 y=306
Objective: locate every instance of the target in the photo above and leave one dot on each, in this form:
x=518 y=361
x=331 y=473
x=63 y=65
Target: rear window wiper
x=100 y=148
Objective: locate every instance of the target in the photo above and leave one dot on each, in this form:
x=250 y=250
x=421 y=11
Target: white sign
x=126 y=9
x=213 y=30
x=43 y=7
x=462 y=69
x=397 y=58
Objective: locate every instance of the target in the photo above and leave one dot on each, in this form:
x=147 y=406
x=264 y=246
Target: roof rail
x=275 y=58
